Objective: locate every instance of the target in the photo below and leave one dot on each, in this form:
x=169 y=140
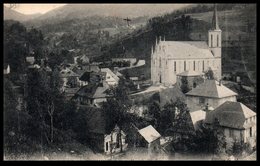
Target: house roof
x=230 y=114
x=94 y=91
x=186 y=49
x=197 y=116
x=68 y=73
x=149 y=133
x=107 y=70
x=190 y=73
x=170 y=94
x=211 y=88
x=85 y=76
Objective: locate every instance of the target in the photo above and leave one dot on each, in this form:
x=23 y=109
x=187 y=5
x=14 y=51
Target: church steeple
x=214 y=25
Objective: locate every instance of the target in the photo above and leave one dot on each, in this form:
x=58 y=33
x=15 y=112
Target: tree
x=155 y=112
x=184 y=85
x=210 y=74
x=116 y=108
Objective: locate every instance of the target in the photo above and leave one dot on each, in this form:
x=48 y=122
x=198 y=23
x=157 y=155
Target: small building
x=212 y=92
x=6 y=69
x=70 y=79
x=104 y=137
x=110 y=77
x=237 y=120
x=150 y=139
x=197 y=118
x=30 y=60
x=190 y=77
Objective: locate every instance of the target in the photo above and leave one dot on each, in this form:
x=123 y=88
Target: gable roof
x=68 y=73
x=211 y=88
x=107 y=70
x=186 y=49
x=230 y=114
x=190 y=73
x=149 y=133
x=94 y=91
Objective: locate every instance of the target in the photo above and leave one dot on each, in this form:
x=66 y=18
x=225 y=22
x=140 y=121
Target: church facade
x=169 y=58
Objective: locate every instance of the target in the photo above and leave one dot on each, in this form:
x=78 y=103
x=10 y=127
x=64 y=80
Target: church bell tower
x=214 y=35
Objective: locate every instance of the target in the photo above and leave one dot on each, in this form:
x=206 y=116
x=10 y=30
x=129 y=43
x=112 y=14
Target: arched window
x=194 y=67
x=184 y=65
x=174 y=65
x=202 y=65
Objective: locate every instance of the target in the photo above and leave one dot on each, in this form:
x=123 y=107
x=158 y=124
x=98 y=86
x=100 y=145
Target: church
x=170 y=58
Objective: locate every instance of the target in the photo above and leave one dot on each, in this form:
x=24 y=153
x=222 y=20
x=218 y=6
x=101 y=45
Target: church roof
x=230 y=114
x=214 y=25
x=190 y=73
x=186 y=49
x=211 y=88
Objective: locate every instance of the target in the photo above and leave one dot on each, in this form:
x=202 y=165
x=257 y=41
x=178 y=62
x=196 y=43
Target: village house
x=30 y=60
x=150 y=139
x=103 y=138
x=237 y=120
x=69 y=78
x=110 y=77
x=212 y=92
x=170 y=58
x=6 y=69
x=93 y=94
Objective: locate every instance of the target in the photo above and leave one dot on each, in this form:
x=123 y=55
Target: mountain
x=79 y=11
x=10 y=14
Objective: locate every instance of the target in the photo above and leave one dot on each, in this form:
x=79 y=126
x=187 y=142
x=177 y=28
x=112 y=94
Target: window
x=194 y=67
x=217 y=41
x=202 y=100
x=106 y=146
x=211 y=38
x=174 y=65
x=184 y=65
x=250 y=132
x=231 y=133
x=202 y=65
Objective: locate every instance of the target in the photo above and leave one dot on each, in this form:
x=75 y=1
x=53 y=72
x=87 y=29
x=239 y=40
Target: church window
x=184 y=65
x=217 y=41
x=174 y=65
x=211 y=38
x=202 y=65
x=194 y=67
x=231 y=133
x=106 y=146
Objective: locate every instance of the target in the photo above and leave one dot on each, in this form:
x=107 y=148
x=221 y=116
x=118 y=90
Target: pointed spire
x=156 y=40
x=160 y=38
x=215 y=19
x=164 y=38
x=152 y=49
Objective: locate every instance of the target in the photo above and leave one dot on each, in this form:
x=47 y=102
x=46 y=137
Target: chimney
x=207 y=107
x=115 y=70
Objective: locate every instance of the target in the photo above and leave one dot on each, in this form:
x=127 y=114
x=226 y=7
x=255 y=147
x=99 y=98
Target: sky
x=35 y=8
x=43 y=8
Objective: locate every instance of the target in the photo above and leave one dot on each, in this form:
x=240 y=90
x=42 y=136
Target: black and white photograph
x=129 y=81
